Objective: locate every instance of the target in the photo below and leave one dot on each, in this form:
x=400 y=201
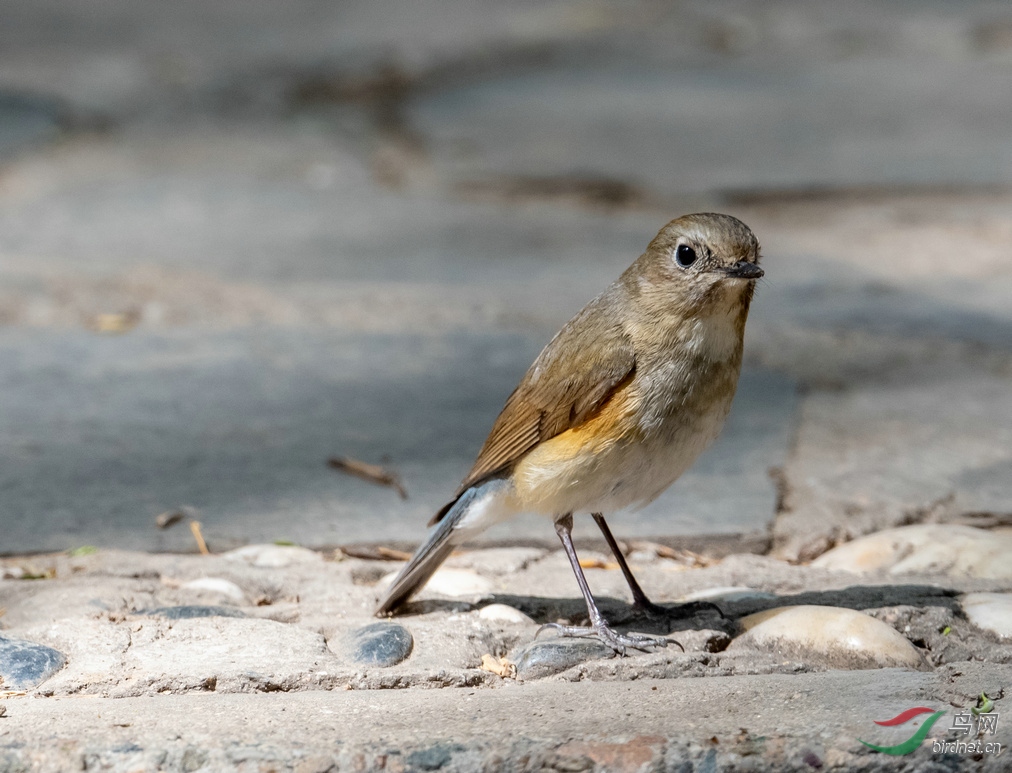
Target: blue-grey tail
x=441 y=540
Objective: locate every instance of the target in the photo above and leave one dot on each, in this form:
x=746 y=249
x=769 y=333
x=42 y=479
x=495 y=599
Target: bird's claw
x=618 y=642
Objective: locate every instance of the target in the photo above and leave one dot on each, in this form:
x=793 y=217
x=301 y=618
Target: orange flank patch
x=613 y=422
x=551 y=467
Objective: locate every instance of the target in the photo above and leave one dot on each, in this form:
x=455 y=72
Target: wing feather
x=572 y=378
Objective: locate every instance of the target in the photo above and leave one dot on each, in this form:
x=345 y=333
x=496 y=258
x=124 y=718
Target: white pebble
x=273 y=556
x=990 y=611
x=926 y=549
x=838 y=637
x=219 y=585
x=730 y=593
x=447 y=581
x=458 y=582
x=502 y=613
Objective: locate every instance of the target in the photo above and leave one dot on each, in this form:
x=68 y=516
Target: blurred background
x=239 y=239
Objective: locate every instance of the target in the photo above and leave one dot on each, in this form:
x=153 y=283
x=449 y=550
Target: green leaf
x=984 y=705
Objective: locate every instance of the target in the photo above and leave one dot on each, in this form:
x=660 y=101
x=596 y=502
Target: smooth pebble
x=990 y=611
x=434 y=758
x=550 y=656
x=729 y=593
x=949 y=549
x=218 y=585
x=501 y=613
x=831 y=636
x=459 y=582
x=455 y=583
x=25 y=664
x=273 y=556
x=379 y=644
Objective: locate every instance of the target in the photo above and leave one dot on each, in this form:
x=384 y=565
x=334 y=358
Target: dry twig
x=374 y=553
x=198 y=535
x=373 y=473
x=498 y=666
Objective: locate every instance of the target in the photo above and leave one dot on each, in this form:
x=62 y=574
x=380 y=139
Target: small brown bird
x=617 y=406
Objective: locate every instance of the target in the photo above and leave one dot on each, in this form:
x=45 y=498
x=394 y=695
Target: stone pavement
x=787 y=720
x=267 y=658
x=238 y=240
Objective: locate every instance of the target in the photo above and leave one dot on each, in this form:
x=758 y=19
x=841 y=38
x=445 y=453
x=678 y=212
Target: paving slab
x=693 y=127
x=895 y=455
x=26 y=122
x=274 y=212
x=784 y=722
x=392 y=331
x=116 y=430
x=290 y=346
x=902 y=419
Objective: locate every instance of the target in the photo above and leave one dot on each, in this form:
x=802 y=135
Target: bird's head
x=698 y=264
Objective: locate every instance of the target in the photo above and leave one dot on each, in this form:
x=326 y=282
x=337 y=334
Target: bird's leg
x=598 y=625
x=640 y=600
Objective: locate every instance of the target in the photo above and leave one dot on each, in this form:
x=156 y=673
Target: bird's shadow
x=720 y=615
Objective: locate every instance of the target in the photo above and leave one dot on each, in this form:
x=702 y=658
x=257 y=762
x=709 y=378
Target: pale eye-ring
x=685 y=256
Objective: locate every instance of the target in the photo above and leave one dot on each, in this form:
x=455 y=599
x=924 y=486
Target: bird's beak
x=745 y=270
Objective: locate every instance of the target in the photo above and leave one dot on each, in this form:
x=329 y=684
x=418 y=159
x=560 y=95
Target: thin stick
x=197 y=535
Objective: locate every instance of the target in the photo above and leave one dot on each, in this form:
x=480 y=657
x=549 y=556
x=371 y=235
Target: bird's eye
x=685 y=256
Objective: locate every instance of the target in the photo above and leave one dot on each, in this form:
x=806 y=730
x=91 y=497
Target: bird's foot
x=617 y=641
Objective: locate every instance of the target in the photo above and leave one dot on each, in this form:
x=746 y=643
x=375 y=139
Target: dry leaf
x=373 y=473
x=498 y=666
x=682 y=556
x=115 y=323
x=172 y=517
x=393 y=555
x=597 y=563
